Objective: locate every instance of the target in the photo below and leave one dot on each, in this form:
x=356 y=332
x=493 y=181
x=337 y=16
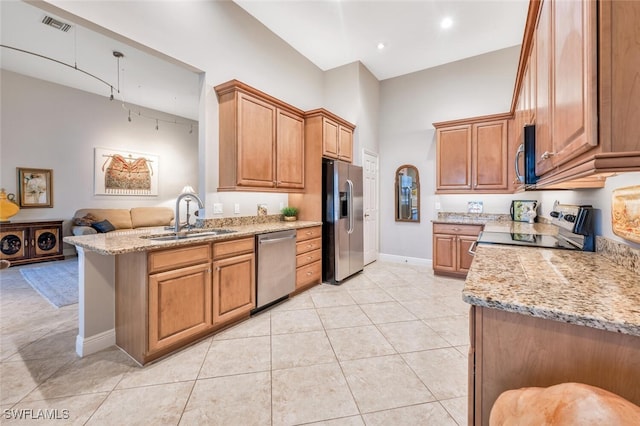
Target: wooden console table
x=31 y=241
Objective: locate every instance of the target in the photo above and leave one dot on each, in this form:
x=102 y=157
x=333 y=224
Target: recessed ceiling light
x=380 y=46
x=446 y=23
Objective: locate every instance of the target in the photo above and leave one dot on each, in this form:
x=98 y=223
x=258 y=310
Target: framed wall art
x=35 y=187
x=125 y=173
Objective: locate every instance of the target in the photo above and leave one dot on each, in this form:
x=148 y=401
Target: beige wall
x=409 y=105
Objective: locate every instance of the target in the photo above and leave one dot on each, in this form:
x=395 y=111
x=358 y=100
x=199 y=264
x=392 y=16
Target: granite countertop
x=575 y=287
x=119 y=242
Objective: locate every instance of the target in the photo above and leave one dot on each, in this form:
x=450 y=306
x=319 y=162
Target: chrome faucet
x=177 y=213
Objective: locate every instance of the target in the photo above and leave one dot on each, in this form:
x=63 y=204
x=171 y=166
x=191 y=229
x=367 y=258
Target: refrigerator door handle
x=350 y=206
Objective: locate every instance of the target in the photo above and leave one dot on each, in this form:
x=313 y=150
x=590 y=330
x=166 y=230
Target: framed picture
x=119 y=172
x=35 y=187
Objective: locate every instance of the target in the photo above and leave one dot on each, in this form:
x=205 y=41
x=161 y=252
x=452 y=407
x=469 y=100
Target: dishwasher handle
x=275 y=240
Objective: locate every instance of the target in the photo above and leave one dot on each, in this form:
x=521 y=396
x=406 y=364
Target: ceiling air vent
x=58 y=25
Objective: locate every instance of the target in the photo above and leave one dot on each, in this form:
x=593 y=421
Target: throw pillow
x=104 y=226
x=87 y=220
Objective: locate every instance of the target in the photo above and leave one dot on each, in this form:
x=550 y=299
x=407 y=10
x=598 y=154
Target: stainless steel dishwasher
x=275 y=267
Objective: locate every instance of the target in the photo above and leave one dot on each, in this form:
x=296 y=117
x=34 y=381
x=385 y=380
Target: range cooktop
x=573 y=222
x=530 y=240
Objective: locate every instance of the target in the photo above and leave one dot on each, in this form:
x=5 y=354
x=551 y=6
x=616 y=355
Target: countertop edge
x=129 y=242
x=600 y=324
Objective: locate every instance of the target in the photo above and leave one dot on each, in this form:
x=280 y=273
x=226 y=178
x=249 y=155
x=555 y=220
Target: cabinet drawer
x=308 y=245
x=179 y=257
x=309 y=233
x=456 y=229
x=307 y=258
x=309 y=274
x=233 y=247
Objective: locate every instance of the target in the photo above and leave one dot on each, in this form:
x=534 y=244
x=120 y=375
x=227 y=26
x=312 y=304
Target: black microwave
x=528 y=150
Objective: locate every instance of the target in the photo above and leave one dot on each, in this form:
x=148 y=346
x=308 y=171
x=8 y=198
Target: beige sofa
x=121 y=219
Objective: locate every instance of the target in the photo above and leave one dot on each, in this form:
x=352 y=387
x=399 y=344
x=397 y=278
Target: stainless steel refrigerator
x=342 y=230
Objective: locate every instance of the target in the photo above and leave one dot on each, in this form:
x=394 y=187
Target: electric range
x=575 y=225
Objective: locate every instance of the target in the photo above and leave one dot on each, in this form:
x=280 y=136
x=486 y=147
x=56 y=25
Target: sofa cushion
x=83 y=230
x=103 y=226
x=119 y=218
x=151 y=216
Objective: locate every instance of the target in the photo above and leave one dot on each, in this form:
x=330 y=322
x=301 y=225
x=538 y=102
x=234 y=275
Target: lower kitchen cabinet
x=451 y=243
x=166 y=299
x=234 y=290
x=179 y=304
x=308 y=257
x=33 y=241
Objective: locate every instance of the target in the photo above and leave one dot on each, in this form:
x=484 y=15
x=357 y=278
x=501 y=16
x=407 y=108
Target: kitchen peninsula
x=120 y=273
x=540 y=317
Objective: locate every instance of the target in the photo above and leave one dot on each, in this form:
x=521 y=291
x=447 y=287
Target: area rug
x=55 y=281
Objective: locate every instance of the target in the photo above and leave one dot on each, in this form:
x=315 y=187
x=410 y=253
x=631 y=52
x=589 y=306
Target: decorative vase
x=290 y=218
x=8 y=207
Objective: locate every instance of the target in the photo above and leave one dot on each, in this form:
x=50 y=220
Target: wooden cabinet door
x=179 y=305
x=574 y=79
x=453 y=151
x=14 y=244
x=490 y=155
x=543 y=90
x=234 y=293
x=290 y=150
x=256 y=142
x=464 y=259
x=329 y=138
x=345 y=144
x=444 y=252
x=45 y=241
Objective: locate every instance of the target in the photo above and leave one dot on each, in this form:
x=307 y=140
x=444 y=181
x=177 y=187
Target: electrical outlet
x=236 y=208
x=281 y=205
x=438 y=205
x=217 y=208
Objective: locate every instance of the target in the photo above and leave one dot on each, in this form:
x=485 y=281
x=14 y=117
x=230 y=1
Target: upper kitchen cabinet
x=337 y=134
x=568 y=58
x=585 y=59
x=473 y=155
x=261 y=141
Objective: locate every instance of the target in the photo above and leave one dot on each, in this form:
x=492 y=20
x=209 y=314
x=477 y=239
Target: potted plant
x=290 y=213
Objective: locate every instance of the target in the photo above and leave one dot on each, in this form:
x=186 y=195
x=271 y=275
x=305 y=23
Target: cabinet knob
x=456 y=229
x=26 y=243
x=546 y=155
x=309 y=273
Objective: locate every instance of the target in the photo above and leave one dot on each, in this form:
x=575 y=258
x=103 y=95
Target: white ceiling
x=330 y=33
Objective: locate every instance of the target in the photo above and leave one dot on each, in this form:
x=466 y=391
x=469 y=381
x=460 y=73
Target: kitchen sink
x=184 y=235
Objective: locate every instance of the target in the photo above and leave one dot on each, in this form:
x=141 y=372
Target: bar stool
x=563 y=405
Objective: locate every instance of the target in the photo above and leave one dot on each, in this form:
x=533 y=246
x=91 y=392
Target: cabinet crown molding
x=238 y=86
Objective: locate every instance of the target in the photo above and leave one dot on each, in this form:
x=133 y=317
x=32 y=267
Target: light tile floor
x=387 y=347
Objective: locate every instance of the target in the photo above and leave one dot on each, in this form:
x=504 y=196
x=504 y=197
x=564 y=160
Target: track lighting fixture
x=117 y=55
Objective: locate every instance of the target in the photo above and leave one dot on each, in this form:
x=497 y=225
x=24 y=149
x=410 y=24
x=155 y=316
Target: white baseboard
x=404 y=259
x=93 y=344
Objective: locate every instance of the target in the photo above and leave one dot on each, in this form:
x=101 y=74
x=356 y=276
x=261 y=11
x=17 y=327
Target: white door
x=370 y=204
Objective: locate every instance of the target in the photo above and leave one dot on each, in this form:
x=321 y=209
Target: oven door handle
x=471 y=248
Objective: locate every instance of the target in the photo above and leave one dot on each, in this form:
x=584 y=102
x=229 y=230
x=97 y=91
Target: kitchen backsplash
x=618 y=253
x=472 y=217
x=237 y=221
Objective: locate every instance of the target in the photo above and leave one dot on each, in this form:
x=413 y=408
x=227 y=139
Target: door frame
x=366 y=152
